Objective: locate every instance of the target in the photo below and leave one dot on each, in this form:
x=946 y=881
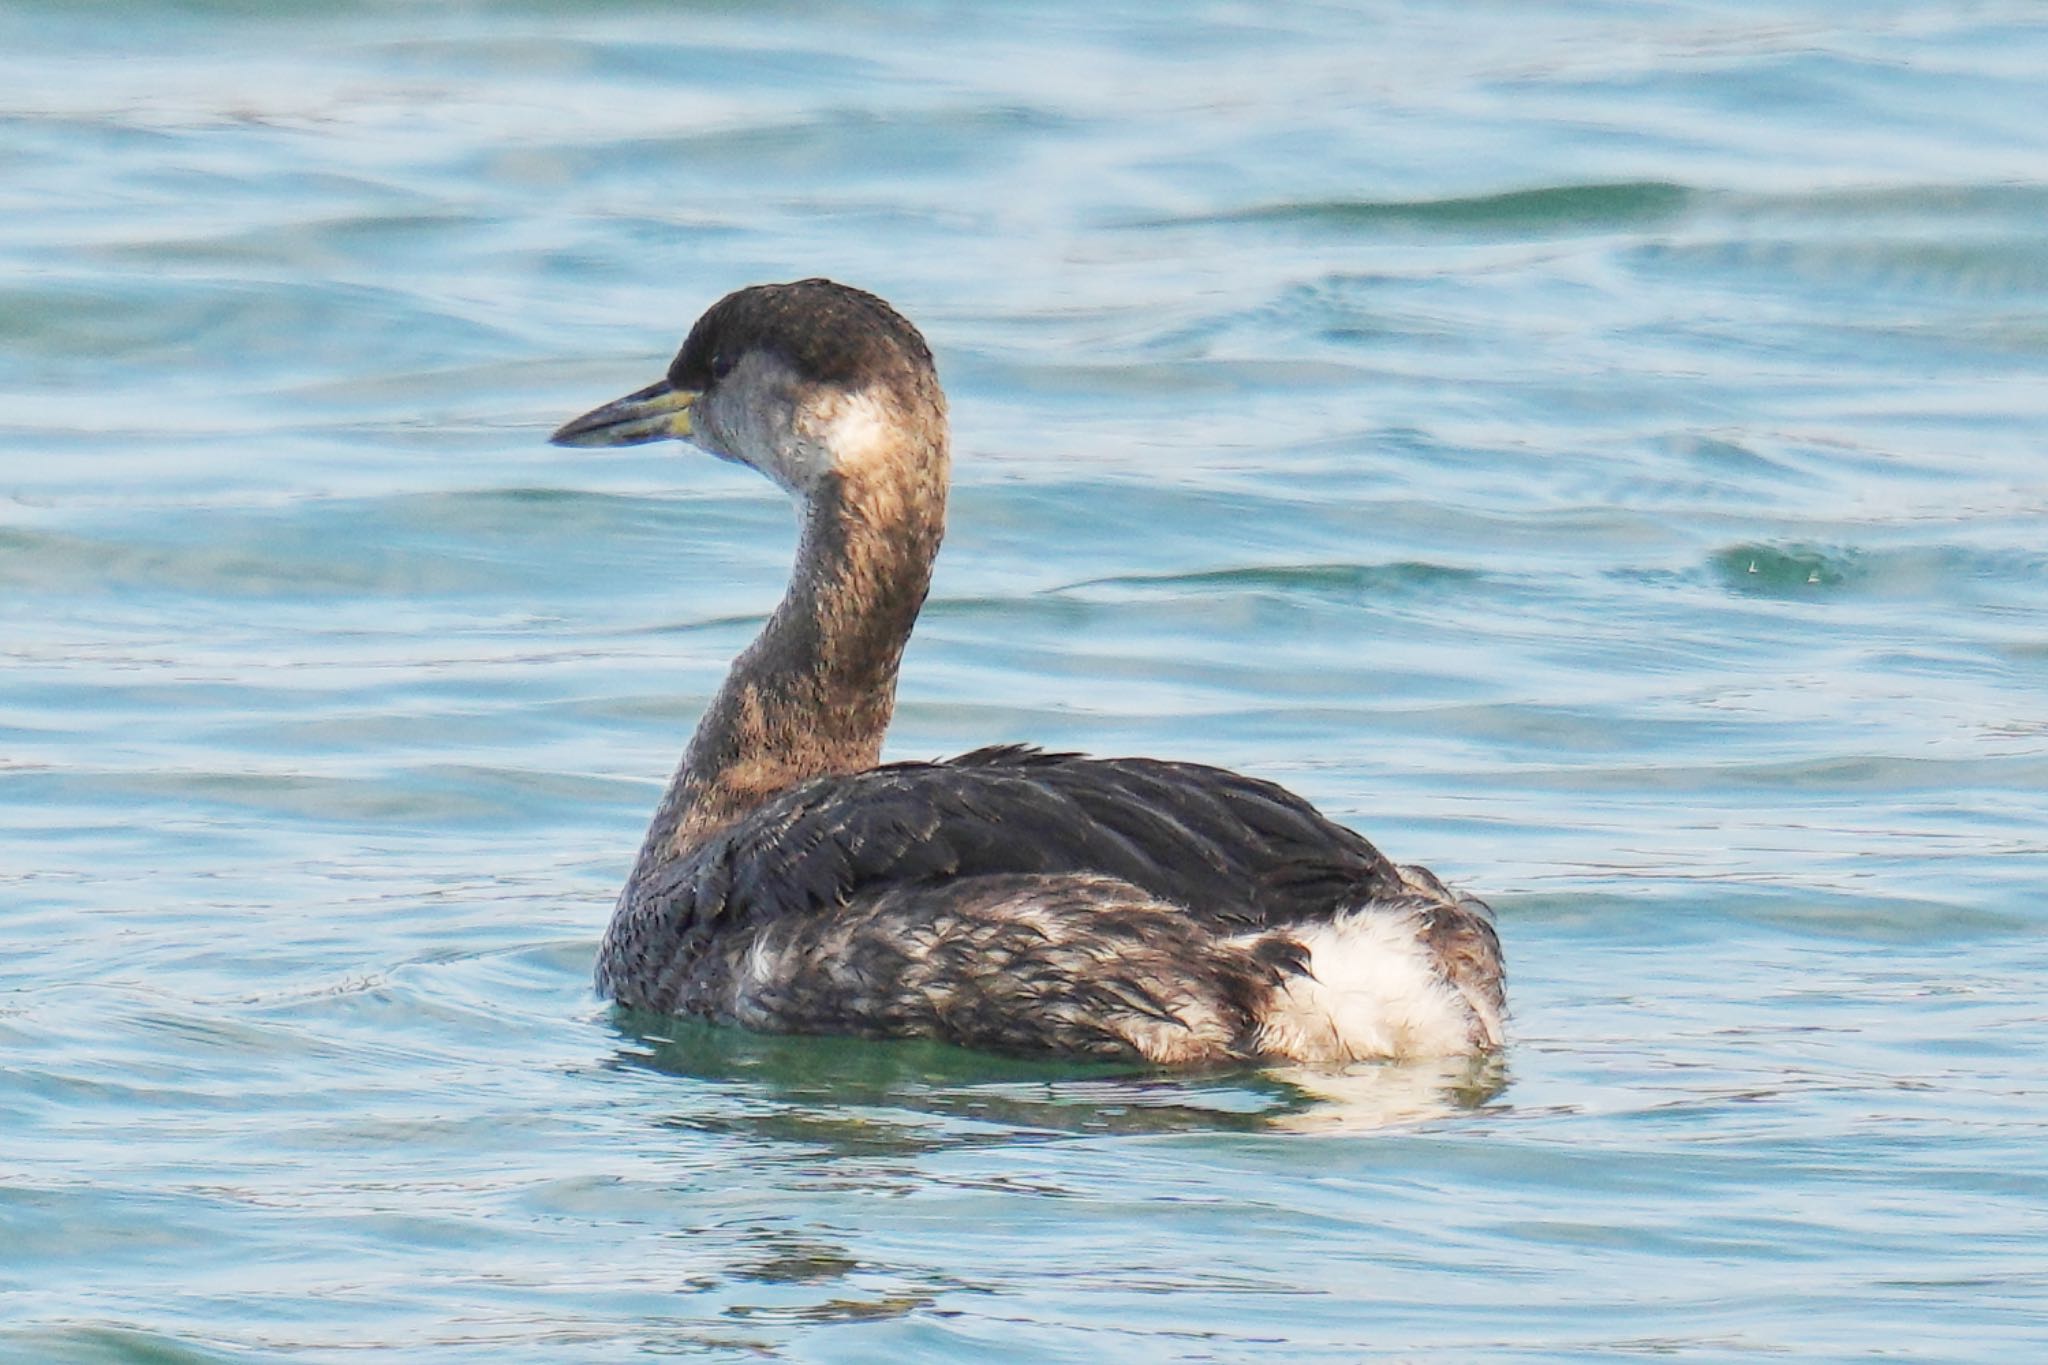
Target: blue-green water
x=1598 y=449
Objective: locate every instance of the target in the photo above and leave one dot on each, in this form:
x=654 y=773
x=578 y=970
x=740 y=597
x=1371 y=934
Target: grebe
x=1008 y=899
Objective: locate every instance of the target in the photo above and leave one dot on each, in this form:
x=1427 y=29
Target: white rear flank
x=1372 y=990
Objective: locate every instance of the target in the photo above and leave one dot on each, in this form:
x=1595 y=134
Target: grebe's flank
x=1009 y=898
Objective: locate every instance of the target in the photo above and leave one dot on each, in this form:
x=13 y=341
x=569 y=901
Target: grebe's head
x=797 y=380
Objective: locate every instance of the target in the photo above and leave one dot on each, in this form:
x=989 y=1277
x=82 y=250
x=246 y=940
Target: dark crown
x=827 y=332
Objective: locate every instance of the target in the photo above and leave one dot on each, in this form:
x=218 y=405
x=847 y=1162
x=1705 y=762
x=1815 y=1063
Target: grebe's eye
x=721 y=366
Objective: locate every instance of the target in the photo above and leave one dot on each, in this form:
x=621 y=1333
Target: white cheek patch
x=835 y=431
x=745 y=416
x=762 y=414
x=857 y=427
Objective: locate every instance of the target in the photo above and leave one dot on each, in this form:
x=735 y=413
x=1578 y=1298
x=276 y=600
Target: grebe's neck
x=812 y=695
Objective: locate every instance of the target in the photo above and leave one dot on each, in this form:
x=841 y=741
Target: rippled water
x=1596 y=448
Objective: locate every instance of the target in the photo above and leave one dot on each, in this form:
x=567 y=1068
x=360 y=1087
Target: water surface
x=1594 y=448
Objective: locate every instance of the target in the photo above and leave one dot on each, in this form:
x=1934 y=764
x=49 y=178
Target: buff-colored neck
x=813 y=694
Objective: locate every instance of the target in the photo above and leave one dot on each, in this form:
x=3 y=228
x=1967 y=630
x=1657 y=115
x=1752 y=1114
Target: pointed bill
x=657 y=412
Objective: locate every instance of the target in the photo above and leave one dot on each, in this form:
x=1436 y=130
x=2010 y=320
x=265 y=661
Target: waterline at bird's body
x=1006 y=899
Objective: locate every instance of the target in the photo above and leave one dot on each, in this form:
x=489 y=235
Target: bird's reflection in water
x=905 y=1095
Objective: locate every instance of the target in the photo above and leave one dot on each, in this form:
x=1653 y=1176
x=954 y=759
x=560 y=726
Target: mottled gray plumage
x=1008 y=898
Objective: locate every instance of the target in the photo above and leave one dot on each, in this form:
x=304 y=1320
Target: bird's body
x=1006 y=899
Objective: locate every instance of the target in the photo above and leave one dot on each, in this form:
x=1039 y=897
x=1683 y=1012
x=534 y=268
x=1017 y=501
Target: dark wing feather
x=1235 y=852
